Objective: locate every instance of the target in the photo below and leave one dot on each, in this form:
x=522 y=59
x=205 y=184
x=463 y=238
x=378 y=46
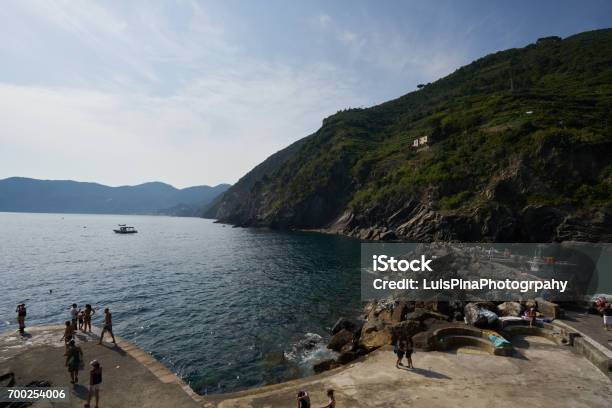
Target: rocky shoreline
x=383 y=322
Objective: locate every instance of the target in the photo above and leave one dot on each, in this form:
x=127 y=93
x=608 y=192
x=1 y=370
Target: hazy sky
x=190 y=92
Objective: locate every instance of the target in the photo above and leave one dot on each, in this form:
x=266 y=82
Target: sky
x=200 y=92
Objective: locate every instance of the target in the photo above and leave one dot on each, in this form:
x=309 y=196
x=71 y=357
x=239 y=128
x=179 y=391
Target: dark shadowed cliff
x=519 y=148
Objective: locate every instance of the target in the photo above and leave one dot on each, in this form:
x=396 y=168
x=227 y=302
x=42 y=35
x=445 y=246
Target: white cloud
x=123 y=118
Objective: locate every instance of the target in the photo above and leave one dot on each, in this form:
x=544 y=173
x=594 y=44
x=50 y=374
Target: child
x=81 y=318
x=95 y=382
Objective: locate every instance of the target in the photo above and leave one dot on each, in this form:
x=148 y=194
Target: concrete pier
x=131 y=377
x=539 y=374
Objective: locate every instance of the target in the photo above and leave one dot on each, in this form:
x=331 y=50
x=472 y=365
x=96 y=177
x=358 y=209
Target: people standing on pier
x=68 y=334
x=87 y=314
x=74 y=313
x=108 y=326
x=21 y=315
x=95 y=382
x=81 y=319
x=303 y=399
x=74 y=357
x=400 y=350
x=409 y=350
x=531 y=316
x=331 y=403
x=607 y=318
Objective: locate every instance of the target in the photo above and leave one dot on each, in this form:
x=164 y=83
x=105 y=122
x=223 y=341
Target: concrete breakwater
x=134 y=378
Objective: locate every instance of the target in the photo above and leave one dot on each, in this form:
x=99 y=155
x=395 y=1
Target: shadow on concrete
x=114 y=348
x=81 y=391
x=519 y=356
x=427 y=373
x=520 y=342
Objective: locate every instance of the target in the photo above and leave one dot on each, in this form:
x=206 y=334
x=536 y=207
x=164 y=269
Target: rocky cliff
x=518 y=148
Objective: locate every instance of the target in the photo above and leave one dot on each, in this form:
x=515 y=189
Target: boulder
x=375 y=339
x=406 y=329
x=372 y=325
x=436 y=305
x=347 y=357
x=399 y=312
x=510 y=309
x=345 y=324
x=325 y=365
x=472 y=315
x=421 y=314
x=549 y=309
x=340 y=339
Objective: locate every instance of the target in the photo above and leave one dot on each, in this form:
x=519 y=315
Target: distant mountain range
x=19 y=194
x=514 y=147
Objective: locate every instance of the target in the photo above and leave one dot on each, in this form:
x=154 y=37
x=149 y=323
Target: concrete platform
x=131 y=377
x=540 y=373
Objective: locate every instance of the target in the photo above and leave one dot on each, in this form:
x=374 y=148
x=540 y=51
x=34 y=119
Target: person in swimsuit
x=87 y=314
x=21 y=315
x=95 y=382
x=108 y=326
x=74 y=313
x=74 y=356
x=531 y=316
x=331 y=403
x=400 y=350
x=81 y=319
x=68 y=334
x=409 y=350
x=303 y=400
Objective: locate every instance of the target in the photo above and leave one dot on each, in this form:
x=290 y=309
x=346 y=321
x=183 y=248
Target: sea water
x=224 y=308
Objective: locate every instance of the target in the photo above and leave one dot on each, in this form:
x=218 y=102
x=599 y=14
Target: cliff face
x=519 y=148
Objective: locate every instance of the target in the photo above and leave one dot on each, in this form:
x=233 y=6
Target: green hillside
x=519 y=148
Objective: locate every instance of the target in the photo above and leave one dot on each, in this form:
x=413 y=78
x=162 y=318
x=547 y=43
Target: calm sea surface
x=225 y=308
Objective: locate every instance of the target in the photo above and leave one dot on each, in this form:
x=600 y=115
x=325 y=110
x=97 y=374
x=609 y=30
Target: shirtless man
x=108 y=326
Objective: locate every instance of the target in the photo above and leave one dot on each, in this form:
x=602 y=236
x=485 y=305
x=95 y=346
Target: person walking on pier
x=108 y=326
x=74 y=357
x=95 y=383
x=21 y=315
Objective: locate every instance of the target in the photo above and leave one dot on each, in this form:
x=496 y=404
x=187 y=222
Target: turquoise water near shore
x=225 y=308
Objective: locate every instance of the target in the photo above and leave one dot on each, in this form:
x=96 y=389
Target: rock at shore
x=340 y=340
x=376 y=339
x=510 y=309
x=325 y=365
